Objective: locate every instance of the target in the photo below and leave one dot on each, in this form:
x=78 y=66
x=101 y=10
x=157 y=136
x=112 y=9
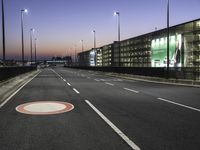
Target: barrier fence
x=9 y=72
x=190 y=73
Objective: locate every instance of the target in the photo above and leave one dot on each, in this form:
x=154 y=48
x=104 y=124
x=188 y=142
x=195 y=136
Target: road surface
x=109 y=114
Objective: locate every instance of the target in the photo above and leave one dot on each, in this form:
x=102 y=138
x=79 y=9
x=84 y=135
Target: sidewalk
x=10 y=86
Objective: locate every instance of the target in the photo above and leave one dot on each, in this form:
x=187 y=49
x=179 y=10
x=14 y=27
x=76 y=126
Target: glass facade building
x=150 y=50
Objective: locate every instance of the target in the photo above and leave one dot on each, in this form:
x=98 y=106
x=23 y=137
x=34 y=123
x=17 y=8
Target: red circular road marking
x=44 y=108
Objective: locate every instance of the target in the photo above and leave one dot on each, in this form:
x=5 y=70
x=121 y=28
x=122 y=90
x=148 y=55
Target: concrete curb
x=10 y=86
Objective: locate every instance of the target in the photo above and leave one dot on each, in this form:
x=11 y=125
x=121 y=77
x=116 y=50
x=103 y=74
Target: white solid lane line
x=131 y=90
x=117 y=130
x=76 y=91
x=189 y=107
x=55 y=73
x=109 y=83
x=18 y=90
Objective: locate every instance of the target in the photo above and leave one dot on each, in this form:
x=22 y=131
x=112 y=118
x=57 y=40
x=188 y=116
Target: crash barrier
x=9 y=72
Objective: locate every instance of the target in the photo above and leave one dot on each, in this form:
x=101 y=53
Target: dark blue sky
x=61 y=24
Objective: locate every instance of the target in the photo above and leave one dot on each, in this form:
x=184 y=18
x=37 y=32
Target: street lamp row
x=23 y=11
x=32 y=30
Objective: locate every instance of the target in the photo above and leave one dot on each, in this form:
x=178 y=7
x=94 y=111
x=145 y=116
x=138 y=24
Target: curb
x=10 y=86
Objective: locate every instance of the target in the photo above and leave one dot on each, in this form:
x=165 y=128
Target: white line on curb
x=76 y=91
x=17 y=90
x=117 y=130
x=189 y=107
x=131 y=90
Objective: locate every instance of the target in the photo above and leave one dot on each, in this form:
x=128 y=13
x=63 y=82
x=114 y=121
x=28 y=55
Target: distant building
x=87 y=58
x=150 y=50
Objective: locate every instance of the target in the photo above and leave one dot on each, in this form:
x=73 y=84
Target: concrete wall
x=9 y=72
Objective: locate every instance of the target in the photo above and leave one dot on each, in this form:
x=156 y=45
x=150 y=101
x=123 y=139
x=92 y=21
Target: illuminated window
x=198 y=23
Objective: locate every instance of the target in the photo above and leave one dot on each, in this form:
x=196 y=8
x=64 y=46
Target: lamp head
x=32 y=29
x=116 y=13
x=25 y=10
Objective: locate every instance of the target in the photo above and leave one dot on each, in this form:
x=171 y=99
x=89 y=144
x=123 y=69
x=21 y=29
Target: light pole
x=82 y=45
x=22 y=28
x=75 y=54
x=94 y=38
x=35 y=43
x=3 y=32
x=31 y=43
x=167 y=39
x=118 y=14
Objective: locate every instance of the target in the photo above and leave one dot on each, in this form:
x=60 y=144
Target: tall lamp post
x=3 y=32
x=168 y=39
x=82 y=44
x=35 y=43
x=75 y=54
x=22 y=28
x=94 y=38
x=31 y=43
x=118 y=14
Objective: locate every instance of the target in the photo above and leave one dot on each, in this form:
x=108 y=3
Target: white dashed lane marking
x=76 y=91
x=185 y=106
x=109 y=83
x=131 y=90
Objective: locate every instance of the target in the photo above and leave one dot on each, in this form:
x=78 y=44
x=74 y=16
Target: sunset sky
x=61 y=24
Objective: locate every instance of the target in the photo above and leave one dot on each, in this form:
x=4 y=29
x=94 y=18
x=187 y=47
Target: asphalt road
x=109 y=114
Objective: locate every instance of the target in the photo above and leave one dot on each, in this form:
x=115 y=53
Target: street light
x=94 y=38
x=3 y=32
x=22 y=28
x=167 y=39
x=118 y=14
x=82 y=44
x=75 y=54
x=35 y=43
x=31 y=43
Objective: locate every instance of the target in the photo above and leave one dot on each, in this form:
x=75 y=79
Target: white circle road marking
x=44 y=108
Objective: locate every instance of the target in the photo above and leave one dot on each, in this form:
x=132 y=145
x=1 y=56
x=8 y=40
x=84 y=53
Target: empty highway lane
x=64 y=108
